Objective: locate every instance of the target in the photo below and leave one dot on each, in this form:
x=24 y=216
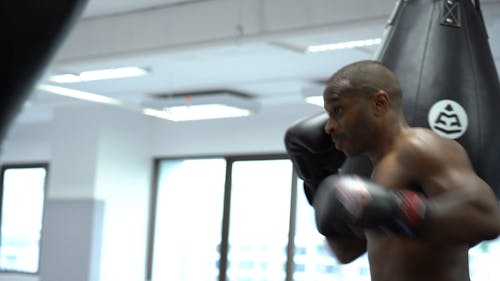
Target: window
x=22 y=198
x=214 y=213
x=242 y=215
x=483 y=261
x=189 y=206
x=259 y=224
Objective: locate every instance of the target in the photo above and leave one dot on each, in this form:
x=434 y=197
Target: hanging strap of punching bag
x=450 y=13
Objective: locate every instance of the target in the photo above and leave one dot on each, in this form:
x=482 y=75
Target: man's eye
x=337 y=110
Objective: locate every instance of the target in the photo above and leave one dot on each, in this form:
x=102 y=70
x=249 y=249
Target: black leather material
x=440 y=51
x=312 y=152
x=31 y=32
x=314 y=155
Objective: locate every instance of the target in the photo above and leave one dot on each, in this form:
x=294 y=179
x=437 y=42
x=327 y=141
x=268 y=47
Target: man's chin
x=350 y=153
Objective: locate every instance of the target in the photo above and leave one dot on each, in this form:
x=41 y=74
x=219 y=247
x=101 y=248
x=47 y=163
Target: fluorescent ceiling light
x=343 y=45
x=78 y=94
x=102 y=74
x=316 y=100
x=197 y=112
x=173 y=113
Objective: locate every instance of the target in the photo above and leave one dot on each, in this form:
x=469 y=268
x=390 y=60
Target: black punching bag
x=439 y=50
x=31 y=33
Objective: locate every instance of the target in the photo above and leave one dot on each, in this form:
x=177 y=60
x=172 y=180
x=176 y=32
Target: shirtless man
x=423 y=206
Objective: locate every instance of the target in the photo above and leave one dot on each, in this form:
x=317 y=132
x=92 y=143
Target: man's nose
x=330 y=126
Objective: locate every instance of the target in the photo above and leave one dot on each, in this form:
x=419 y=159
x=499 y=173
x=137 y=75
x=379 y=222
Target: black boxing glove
x=343 y=201
x=312 y=152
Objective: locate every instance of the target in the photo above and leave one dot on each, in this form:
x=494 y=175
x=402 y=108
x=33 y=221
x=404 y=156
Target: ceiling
x=249 y=46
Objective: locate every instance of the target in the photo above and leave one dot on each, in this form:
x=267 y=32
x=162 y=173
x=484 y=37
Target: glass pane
x=22 y=212
x=313 y=259
x=484 y=259
x=259 y=222
x=188 y=222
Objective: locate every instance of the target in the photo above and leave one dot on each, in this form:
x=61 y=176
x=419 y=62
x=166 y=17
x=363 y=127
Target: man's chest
x=389 y=172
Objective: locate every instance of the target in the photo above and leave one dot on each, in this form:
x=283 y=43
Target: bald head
x=367 y=77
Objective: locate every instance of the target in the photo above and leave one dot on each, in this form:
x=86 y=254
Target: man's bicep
x=452 y=171
x=456 y=178
x=467 y=183
x=445 y=168
x=465 y=210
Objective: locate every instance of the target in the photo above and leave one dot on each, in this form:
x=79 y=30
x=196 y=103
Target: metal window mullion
x=225 y=222
x=290 y=264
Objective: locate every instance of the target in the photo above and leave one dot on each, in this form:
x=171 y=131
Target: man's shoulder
x=421 y=147
x=423 y=139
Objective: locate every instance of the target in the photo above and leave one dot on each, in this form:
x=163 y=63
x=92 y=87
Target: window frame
x=230 y=160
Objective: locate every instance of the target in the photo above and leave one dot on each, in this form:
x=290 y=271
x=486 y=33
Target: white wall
x=113 y=150
x=261 y=133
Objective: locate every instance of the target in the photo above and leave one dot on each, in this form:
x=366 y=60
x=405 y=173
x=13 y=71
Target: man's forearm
x=348 y=249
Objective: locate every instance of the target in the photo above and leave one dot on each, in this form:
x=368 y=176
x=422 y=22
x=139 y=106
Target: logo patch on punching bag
x=448 y=119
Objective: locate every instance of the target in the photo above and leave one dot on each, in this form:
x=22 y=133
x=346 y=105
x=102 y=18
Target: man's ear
x=380 y=102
